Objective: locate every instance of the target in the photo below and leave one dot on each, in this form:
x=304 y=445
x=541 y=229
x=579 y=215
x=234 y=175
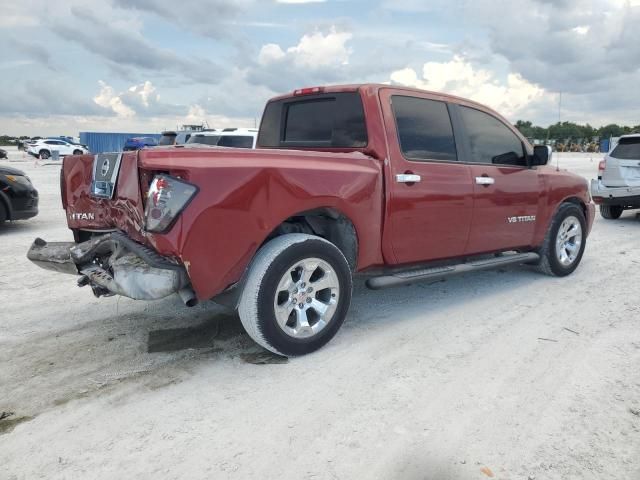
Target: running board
x=437 y=273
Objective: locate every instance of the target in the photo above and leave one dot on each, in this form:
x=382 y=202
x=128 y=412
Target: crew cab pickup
x=395 y=183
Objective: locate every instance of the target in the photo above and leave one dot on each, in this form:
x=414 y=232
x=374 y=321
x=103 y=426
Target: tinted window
x=627 y=149
x=204 y=139
x=490 y=140
x=424 y=129
x=328 y=120
x=236 y=141
x=167 y=139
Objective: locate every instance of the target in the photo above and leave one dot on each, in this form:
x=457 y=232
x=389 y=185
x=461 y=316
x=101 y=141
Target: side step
x=436 y=273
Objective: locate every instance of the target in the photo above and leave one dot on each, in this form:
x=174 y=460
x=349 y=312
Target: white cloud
x=582 y=29
x=300 y=1
x=107 y=98
x=315 y=50
x=270 y=53
x=146 y=91
x=459 y=77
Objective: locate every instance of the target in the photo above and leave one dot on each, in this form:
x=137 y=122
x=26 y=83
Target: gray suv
x=618 y=185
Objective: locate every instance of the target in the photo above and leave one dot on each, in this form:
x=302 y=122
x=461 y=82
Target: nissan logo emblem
x=105 y=167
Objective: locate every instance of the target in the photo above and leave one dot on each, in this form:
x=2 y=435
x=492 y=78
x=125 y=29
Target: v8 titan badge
x=522 y=219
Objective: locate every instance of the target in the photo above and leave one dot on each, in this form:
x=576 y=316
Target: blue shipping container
x=99 y=142
x=604 y=145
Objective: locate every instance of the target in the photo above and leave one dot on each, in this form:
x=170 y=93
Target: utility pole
x=559 y=127
x=560 y=108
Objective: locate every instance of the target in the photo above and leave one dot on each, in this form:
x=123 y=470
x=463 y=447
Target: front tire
x=564 y=243
x=77 y=152
x=611 y=212
x=44 y=154
x=297 y=294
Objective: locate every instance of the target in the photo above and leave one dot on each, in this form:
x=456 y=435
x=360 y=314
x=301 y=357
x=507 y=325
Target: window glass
x=236 y=141
x=627 y=149
x=204 y=139
x=490 y=140
x=325 y=120
x=424 y=129
x=167 y=139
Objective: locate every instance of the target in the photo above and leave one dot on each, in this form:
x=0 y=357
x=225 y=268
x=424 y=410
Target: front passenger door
x=507 y=193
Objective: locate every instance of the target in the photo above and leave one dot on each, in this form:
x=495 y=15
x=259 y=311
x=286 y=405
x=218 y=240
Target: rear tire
x=564 y=243
x=44 y=154
x=297 y=294
x=611 y=212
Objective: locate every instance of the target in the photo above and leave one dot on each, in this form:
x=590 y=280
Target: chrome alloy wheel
x=306 y=298
x=568 y=241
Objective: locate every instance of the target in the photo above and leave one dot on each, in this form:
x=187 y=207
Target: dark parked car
x=18 y=197
x=3 y=153
x=136 y=143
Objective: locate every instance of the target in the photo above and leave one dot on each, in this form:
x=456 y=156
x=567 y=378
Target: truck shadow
x=152 y=346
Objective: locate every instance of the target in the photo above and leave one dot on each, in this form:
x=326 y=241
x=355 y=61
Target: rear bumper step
x=437 y=273
x=113 y=264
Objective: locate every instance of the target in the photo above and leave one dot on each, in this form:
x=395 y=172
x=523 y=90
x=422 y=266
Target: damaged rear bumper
x=113 y=264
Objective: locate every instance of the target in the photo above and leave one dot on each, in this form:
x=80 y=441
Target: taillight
x=63 y=190
x=167 y=198
x=601 y=166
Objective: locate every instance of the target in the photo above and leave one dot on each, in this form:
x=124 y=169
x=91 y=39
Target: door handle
x=407 y=178
x=486 y=181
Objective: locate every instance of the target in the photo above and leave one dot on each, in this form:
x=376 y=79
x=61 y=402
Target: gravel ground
x=445 y=381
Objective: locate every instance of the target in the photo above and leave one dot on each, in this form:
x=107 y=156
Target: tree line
x=573 y=132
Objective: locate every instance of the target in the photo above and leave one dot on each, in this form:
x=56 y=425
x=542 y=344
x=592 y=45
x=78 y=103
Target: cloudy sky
x=144 y=65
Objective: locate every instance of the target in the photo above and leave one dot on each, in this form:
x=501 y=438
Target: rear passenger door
x=507 y=193
x=429 y=192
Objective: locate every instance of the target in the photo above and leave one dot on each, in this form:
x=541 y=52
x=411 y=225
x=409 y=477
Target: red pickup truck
x=396 y=183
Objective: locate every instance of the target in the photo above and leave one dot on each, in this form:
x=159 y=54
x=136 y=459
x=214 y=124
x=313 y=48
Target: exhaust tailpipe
x=188 y=296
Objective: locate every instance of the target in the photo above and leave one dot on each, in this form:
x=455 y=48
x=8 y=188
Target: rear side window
x=490 y=140
x=236 y=141
x=327 y=120
x=424 y=129
x=627 y=149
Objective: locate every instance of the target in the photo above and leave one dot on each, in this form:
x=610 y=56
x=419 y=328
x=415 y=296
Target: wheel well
x=327 y=223
x=580 y=203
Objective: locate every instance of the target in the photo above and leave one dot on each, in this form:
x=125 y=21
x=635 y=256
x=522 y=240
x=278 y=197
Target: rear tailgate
x=120 y=209
x=623 y=164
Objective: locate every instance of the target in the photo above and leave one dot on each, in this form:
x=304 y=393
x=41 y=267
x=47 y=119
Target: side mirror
x=541 y=155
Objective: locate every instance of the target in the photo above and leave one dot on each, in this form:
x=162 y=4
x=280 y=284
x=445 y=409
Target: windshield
x=627 y=149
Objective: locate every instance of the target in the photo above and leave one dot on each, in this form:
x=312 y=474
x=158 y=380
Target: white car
x=226 y=137
x=617 y=187
x=43 y=148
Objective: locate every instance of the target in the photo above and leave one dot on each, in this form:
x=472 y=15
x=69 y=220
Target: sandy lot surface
x=442 y=381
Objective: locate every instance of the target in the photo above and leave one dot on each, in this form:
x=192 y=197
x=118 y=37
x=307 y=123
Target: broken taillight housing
x=167 y=198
